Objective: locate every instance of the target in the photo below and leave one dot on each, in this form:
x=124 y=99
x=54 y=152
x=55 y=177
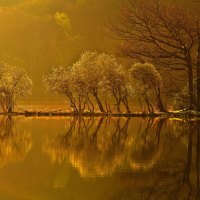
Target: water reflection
x=14 y=143
x=101 y=158
x=176 y=175
x=98 y=147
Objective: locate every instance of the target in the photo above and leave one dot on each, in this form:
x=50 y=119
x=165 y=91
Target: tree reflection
x=96 y=147
x=164 y=155
x=147 y=147
x=176 y=176
x=198 y=159
x=14 y=143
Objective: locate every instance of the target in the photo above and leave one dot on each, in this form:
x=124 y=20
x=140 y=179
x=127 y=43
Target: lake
x=99 y=158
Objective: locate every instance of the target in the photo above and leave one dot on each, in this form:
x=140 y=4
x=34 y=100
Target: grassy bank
x=177 y=114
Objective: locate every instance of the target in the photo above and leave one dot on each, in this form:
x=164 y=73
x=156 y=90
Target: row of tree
x=95 y=79
x=160 y=33
x=97 y=76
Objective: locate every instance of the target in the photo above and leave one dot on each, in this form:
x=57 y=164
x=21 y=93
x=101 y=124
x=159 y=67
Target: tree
x=81 y=91
x=198 y=63
x=58 y=81
x=14 y=83
x=146 y=80
x=115 y=80
x=163 y=34
x=90 y=75
x=181 y=99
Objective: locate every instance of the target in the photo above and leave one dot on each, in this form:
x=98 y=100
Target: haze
x=39 y=34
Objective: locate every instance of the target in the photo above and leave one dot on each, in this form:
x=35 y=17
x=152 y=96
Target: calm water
x=99 y=159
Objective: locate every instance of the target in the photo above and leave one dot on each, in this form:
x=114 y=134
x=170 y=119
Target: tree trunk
x=90 y=102
x=125 y=102
x=3 y=107
x=9 y=105
x=198 y=78
x=159 y=100
x=118 y=106
x=191 y=88
x=149 y=106
x=10 y=109
x=197 y=153
x=190 y=81
x=143 y=110
x=107 y=107
x=99 y=103
x=118 y=101
x=79 y=105
x=73 y=103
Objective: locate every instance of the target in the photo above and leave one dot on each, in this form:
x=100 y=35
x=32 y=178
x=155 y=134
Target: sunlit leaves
x=145 y=76
x=63 y=20
x=96 y=74
x=14 y=83
x=57 y=80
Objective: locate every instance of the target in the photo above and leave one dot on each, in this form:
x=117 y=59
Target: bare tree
x=163 y=34
x=198 y=63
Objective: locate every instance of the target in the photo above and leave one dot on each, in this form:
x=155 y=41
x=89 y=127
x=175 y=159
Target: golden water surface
x=99 y=158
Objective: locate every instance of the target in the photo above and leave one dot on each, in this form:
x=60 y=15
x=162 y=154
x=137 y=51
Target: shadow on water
x=176 y=175
x=134 y=158
x=99 y=147
x=14 y=143
x=150 y=158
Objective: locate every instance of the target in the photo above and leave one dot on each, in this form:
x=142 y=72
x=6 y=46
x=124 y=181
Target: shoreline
x=171 y=114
